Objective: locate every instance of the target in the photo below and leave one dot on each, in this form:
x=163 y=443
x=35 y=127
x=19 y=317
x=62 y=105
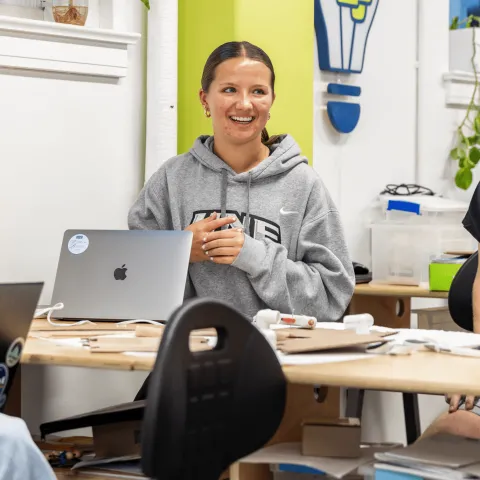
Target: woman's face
x=239 y=99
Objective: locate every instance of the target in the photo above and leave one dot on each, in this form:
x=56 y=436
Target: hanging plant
x=146 y=3
x=467 y=151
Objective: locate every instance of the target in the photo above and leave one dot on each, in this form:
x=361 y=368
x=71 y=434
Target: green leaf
x=476 y=125
x=474 y=155
x=454 y=24
x=473 y=140
x=461 y=153
x=454 y=154
x=146 y=3
x=463 y=178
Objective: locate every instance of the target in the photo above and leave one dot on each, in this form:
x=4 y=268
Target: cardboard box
x=436 y=318
x=117 y=439
x=331 y=438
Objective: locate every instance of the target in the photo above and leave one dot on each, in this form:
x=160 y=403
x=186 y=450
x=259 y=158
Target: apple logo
x=120 y=273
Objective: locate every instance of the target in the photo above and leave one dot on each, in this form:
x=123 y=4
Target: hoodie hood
x=285 y=154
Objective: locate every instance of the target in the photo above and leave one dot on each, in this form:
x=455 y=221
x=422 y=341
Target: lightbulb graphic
x=342 y=28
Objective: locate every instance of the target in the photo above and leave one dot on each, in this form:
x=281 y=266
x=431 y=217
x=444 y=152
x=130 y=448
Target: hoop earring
x=207 y=112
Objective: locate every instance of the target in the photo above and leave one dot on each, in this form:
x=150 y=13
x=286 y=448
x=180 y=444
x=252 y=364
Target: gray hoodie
x=294 y=258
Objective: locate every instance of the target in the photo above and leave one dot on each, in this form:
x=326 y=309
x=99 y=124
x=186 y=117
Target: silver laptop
x=121 y=274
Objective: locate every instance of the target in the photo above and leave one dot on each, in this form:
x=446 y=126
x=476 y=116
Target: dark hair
x=234 y=50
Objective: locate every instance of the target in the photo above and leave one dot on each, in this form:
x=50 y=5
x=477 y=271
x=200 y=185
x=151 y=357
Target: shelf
x=459 y=88
x=68 y=49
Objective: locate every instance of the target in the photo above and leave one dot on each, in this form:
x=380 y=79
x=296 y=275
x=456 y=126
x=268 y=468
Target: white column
x=161 y=84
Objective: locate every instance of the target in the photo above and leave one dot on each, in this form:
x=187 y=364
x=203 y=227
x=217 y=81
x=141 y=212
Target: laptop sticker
x=3 y=377
x=14 y=352
x=78 y=244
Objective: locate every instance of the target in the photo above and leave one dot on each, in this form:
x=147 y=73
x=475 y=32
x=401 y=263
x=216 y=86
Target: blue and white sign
x=342 y=28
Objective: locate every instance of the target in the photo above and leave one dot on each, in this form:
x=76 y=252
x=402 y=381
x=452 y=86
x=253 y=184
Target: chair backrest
x=18 y=302
x=460 y=294
x=207 y=409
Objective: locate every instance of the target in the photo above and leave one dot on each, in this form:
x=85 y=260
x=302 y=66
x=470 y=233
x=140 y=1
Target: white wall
x=71 y=155
x=437 y=124
x=383 y=148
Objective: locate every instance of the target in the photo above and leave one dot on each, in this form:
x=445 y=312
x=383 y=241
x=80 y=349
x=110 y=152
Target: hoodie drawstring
x=223 y=199
x=247 y=220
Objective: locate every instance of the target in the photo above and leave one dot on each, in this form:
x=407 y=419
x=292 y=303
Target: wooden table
x=390 y=305
x=423 y=372
x=427 y=372
x=379 y=300
x=43 y=352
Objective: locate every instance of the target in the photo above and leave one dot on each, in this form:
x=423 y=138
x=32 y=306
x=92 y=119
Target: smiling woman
x=238 y=90
x=266 y=233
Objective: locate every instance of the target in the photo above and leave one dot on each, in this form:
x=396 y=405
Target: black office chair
x=460 y=294
x=207 y=409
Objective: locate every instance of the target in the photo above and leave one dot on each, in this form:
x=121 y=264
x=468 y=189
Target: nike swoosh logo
x=287 y=212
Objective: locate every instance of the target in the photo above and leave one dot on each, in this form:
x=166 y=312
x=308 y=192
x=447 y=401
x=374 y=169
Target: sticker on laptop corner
x=14 y=352
x=78 y=244
x=3 y=400
x=3 y=377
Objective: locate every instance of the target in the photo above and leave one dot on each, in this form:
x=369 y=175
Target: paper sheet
x=321 y=358
x=291 y=453
x=452 y=339
x=424 y=473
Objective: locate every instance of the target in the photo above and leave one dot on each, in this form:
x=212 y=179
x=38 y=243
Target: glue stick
x=299 y=320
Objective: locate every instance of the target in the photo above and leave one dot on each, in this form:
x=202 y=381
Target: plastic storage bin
x=401 y=253
x=409 y=235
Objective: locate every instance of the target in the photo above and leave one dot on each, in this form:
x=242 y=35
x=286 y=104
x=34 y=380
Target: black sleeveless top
x=472 y=219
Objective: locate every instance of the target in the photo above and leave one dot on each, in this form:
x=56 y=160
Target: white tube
x=161 y=84
x=361 y=323
x=265 y=318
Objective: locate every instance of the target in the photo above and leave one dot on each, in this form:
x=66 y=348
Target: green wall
x=283 y=28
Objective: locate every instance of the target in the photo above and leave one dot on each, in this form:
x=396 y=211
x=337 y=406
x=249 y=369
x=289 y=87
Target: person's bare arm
x=476 y=300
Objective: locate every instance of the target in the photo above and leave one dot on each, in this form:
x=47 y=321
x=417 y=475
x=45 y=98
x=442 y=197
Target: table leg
x=302 y=402
x=412 y=417
x=393 y=312
x=354 y=405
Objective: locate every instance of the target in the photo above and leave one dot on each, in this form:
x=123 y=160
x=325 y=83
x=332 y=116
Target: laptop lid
x=17 y=307
x=121 y=274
